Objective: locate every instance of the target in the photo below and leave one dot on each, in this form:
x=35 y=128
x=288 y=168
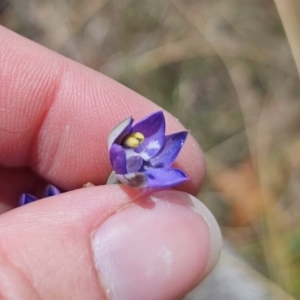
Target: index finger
x=55 y=116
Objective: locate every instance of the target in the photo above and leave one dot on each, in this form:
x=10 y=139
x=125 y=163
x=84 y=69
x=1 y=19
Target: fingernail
x=156 y=248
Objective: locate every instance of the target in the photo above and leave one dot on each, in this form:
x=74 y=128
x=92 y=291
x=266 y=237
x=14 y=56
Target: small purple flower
x=142 y=155
x=26 y=198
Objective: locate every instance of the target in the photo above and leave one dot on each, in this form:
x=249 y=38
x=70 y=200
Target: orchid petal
x=26 y=198
x=173 y=144
x=153 y=129
x=165 y=177
x=150 y=147
x=150 y=124
x=118 y=159
x=119 y=132
x=51 y=190
x=134 y=163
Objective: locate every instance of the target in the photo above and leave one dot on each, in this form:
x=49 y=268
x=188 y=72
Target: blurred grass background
x=229 y=70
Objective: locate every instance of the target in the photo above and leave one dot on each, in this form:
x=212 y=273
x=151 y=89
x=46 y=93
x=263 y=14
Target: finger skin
x=45 y=247
x=56 y=115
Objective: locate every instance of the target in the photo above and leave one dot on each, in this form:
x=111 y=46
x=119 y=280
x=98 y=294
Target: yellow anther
x=133 y=140
x=139 y=136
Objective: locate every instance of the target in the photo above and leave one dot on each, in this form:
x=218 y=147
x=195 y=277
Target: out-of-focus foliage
x=225 y=69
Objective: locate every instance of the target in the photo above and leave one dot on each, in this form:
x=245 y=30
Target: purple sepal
x=165 y=177
x=151 y=125
x=51 y=190
x=26 y=198
x=173 y=144
x=118 y=159
x=153 y=129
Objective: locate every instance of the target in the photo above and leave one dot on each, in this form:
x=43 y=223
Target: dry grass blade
x=289 y=11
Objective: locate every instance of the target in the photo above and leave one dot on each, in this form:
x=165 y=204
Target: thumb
x=107 y=242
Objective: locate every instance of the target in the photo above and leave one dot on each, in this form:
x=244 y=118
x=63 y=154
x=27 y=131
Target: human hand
x=55 y=116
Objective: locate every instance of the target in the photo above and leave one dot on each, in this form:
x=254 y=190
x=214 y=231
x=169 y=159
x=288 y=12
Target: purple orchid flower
x=142 y=155
x=26 y=198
